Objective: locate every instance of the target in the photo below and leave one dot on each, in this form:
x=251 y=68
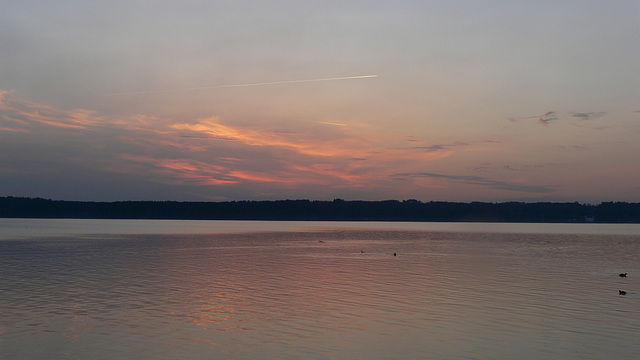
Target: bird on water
x=623 y=275
x=622 y=292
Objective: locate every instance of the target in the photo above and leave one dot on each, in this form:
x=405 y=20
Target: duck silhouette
x=623 y=275
x=622 y=292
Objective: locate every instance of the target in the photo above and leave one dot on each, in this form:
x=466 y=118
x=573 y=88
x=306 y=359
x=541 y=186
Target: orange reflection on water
x=292 y=288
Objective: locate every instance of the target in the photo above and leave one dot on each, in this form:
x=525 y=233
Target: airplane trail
x=245 y=85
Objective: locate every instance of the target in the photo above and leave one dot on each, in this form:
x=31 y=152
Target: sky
x=452 y=100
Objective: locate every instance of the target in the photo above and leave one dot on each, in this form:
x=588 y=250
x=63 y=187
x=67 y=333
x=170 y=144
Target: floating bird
x=394 y=254
x=622 y=292
x=623 y=275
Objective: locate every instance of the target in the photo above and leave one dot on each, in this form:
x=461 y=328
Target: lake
x=152 y=289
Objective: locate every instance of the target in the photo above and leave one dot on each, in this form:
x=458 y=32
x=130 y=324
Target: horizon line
x=336 y=199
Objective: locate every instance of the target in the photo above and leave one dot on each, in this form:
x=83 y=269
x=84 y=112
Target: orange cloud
x=212 y=128
x=13 y=130
x=182 y=170
x=261 y=177
x=210 y=152
x=28 y=113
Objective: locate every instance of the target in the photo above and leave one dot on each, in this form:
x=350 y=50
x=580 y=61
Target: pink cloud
x=213 y=152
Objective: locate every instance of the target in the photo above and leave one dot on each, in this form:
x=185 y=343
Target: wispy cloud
x=440 y=147
x=589 y=115
x=480 y=181
x=211 y=152
x=22 y=114
x=544 y=119
x=547 y=118
x=550 y=116
x=428 y=147
x=488 y=167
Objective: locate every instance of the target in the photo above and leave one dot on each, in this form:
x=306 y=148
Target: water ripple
x=327 y=294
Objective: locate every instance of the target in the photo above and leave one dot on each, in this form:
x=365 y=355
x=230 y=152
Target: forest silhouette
x=336 y=210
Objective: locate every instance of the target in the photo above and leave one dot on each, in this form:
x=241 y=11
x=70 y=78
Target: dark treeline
x=390 y=210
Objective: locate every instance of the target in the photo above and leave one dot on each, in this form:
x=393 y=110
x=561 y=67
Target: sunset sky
x=260 y=100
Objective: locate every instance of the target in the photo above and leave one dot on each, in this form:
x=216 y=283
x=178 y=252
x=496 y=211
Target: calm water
x=87 y=289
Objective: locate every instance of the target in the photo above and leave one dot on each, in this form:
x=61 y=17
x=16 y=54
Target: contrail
x=246 y=85
x=331 y=123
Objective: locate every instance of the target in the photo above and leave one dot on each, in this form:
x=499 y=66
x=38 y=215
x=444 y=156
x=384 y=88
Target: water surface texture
x=86 y=289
